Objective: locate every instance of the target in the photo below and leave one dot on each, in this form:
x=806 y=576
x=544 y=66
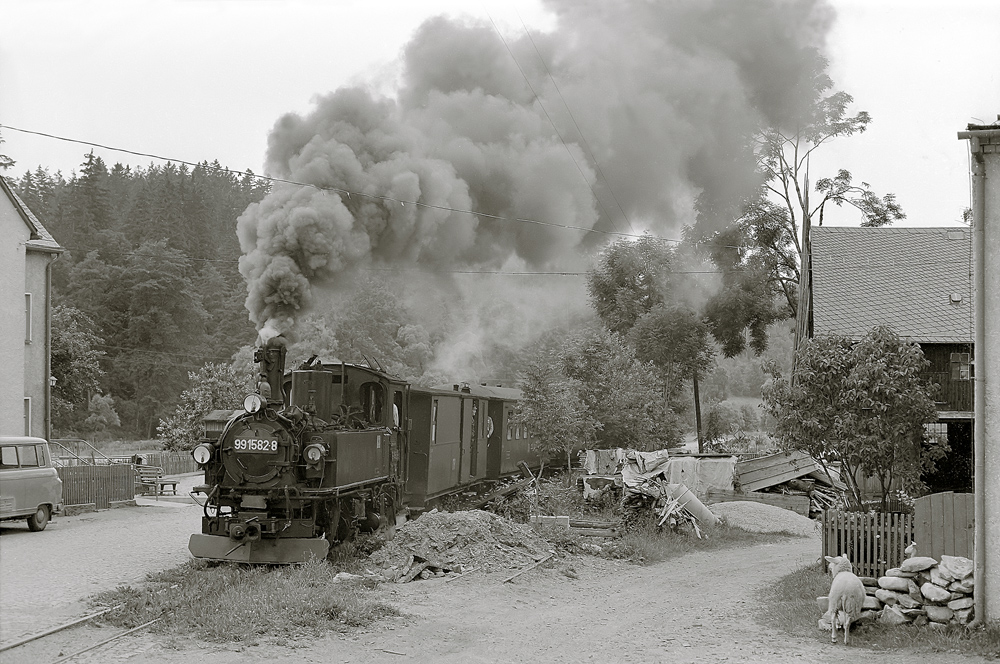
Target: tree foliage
x=629 y=280
x=762 y=253
x=75 y=357
x=213 y=387
x=605 y=396
x=862 y=404
x=149 y=279
x=676 y=341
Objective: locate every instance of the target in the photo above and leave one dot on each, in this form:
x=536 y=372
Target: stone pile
x=921 y=591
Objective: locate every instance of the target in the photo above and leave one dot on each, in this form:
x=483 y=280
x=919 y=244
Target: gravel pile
x=460 y=540
x=761 y=518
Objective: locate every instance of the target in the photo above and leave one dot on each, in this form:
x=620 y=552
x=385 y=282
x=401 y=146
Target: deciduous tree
x=863 y=404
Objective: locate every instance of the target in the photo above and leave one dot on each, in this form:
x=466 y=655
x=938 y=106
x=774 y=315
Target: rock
x=959 y=604
x=921 y=621
x=964 y=586
x=894 y=583
x=887 y=596
x=963 y=616
x=941 y=577
x=869 y=581
x=868 y=616
x=871 y=591
x=907 y=602
x=937 y=625
x=938 y=614
x=892 y=616
x=918 y=564
x=954 y=595
x=913 y=613
x=934 y=593
x=914 y=590
x=823 y=603
x=871 y=604
x=896 y=571
x=958 y=566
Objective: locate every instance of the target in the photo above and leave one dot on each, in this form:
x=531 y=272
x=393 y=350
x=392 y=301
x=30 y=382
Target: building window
x=27 y=416
x=960 y=366
x=27 y=318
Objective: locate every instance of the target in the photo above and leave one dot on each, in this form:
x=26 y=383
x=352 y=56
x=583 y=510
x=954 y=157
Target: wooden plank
x=769 y=471
x=798 y=504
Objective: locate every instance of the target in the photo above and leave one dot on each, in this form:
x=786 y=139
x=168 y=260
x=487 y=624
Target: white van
x=29 y=484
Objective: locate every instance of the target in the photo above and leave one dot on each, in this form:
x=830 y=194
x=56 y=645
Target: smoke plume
x=614 y=122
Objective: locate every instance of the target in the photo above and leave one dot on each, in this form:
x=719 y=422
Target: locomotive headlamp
x=202 y=454
x=314 y=453
x=253 y=403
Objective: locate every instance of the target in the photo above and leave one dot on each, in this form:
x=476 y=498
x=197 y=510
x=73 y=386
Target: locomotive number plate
x=256 y=445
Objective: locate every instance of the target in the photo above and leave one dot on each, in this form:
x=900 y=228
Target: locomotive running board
x=284 y=551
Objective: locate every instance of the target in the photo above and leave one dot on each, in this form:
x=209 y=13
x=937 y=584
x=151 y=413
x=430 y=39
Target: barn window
x=960 y=366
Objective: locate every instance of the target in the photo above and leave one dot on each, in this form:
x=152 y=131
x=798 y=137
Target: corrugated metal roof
x=41 y=239
x=916 y=280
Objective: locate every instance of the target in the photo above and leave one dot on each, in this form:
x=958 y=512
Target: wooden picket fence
x=874 y=541
x=97 y=485
x=944 y=524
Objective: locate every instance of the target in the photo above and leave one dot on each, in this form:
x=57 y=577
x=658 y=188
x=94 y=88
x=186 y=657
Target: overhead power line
x=338 y=190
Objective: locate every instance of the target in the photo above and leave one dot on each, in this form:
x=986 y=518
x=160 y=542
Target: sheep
x=847 y=596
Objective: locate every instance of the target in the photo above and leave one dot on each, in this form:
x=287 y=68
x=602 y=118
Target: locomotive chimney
x=270 y=360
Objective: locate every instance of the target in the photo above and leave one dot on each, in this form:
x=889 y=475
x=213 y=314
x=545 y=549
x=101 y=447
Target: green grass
x=790 y=606
x=236 y=603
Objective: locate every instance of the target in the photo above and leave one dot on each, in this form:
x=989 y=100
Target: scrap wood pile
x=439 y=543
x=793 y=474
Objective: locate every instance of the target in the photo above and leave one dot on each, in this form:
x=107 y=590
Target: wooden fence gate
x=874 y=541
x=944 y=524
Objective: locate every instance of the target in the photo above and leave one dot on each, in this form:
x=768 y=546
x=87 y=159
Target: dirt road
x=697 y=608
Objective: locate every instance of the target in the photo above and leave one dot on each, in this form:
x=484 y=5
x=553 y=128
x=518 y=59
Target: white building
x=27 y=251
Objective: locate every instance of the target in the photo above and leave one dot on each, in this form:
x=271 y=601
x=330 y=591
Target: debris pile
x=760 y=518
x=921 y=591
x=793 y=480
x=438 y=543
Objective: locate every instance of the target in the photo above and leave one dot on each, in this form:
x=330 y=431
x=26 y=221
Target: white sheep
x=846 y=598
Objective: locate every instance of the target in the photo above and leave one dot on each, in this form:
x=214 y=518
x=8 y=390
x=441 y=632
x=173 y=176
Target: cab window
x=8 y=457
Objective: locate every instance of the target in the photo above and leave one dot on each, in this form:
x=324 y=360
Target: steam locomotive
x=330 y=449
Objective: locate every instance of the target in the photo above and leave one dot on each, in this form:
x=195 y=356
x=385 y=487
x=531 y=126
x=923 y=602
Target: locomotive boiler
x=313 y=457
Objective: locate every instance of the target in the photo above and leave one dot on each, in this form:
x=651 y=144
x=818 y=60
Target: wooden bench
x=150 y=479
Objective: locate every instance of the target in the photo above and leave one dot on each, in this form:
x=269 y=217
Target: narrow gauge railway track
x=74 y=623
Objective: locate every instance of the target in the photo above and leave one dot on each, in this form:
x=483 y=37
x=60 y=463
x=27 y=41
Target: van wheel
x=39 y=519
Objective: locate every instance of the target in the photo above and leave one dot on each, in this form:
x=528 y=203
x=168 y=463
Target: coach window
x=434 y=421
x=510 y=432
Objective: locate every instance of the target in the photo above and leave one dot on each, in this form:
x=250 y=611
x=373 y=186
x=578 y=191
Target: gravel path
x=45 y=577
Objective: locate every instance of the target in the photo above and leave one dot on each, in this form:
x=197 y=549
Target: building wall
x=36 y=353
x=15 y=235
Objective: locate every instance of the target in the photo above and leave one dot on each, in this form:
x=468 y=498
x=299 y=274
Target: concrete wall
x=14 y=233
x=985 y=148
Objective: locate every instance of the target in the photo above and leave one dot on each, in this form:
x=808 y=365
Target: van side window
x=28 y=456
x=8 y=457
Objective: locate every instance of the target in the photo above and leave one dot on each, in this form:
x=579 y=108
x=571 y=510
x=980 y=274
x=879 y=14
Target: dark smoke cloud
x=664 y=94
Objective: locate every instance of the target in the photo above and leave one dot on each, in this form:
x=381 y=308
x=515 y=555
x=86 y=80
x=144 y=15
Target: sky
x=195 y=80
